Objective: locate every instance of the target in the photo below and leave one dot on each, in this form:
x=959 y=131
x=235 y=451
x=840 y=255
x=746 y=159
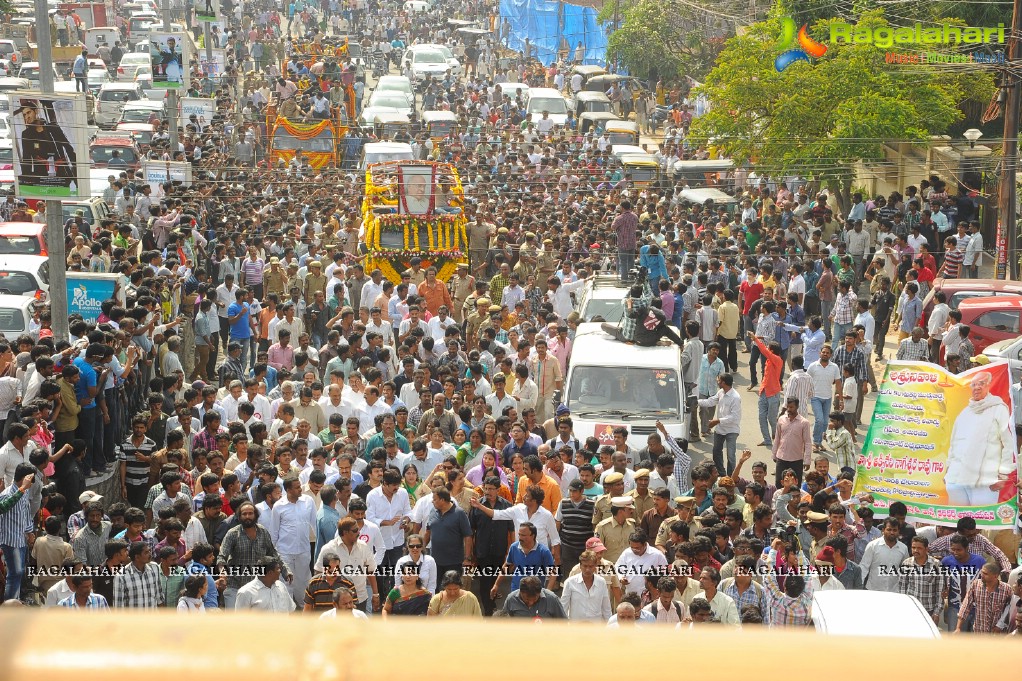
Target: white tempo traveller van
x=611 y=384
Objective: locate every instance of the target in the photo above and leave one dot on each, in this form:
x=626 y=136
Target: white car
x=5 y=126
x=452 y=61
x=25 y=275
x=603 y=297
x=854 y=613
x=416 y=6
x=396 y=84
x=130 y=62
x=421 y=63
x=30 y=71
x=15 y=315
x=549 y=100
x=392 y=100
x=7 y=154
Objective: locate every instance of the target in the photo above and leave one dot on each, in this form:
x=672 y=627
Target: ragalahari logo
x=807 y=46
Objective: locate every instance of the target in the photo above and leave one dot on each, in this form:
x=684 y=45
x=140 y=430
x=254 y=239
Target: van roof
x=850 y=613
x=544 y=92
x=384 y=147
x=703 y=194
x=595 y=347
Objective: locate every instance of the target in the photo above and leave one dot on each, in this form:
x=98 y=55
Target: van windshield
x=552 y=105
x=634 y=391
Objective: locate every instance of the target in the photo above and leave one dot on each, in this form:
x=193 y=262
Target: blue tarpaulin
x=548 y=25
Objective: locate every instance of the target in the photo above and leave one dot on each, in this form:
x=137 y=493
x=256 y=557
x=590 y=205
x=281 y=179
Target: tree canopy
x=818 y=119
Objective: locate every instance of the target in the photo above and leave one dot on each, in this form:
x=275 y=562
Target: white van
x=378 y=152
x=854 y=613
x=610 y=384
x=549 y=100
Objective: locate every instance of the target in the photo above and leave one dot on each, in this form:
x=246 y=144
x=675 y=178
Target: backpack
x=656 y=608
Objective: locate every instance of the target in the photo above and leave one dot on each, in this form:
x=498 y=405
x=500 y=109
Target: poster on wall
x=51 y=146
x=215 y=65
x=169 y=59
x=944 y=445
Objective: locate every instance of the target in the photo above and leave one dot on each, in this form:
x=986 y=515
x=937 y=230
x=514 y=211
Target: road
x=750 y=437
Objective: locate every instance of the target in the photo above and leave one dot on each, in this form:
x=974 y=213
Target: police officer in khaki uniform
x=614 y=531
x=613 y=486
x=462 y=286
x=528 y=257
x=546 y=261
x=641 y=494
x=474 y=321
x=274 y=279
x=468 y=308
x=685 y=512
x=315 y=280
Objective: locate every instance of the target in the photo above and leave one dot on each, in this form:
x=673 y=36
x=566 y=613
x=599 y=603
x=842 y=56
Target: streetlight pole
x=54 y=212
x=1006 y=202
x=171 y=94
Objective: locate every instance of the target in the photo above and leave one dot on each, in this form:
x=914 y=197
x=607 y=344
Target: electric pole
x=172 y=93
x=1007 y=203
x=54 y=212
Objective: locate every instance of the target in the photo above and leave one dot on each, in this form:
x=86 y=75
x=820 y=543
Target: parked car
x=991 y=319
x=854 y=613
x=958 y=290
x=23 y=238
x=102 y=148
x=30 y=71
x=25 y=275
x=15 y=315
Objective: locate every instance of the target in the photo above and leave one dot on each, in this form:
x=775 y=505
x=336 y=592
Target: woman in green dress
x=409 y=597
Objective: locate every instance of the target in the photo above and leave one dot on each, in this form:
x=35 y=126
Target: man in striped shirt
x=16 y=529
x=790 y=606
x=135 y=456
x=574 y=523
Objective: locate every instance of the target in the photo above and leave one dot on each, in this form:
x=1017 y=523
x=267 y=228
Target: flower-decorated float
x=413 y=208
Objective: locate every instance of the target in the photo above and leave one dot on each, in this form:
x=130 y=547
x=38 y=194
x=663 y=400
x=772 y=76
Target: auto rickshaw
x=595 y=120
x=642 y=170
x=622 y=132
x=390 y=126
x=708 y=173
x=438 y=124
x=586 y=101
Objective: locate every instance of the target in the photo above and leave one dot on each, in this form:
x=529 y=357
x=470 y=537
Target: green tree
x=664 y=38
x=819 y=120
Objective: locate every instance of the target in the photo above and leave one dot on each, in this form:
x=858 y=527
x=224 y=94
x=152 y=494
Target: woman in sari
x=412 y=483
x=453 y=601
x=471 y=452
x=516 y=474
x=409 y=597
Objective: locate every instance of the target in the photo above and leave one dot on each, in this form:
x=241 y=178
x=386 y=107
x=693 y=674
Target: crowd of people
x=284 y=430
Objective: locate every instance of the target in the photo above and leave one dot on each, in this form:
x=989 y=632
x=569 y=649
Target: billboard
x=944 y=445
x=202 y=107
x=207 y=10
x=51 y=145
x=216 y=64
x=169 y=57
x=160 y=172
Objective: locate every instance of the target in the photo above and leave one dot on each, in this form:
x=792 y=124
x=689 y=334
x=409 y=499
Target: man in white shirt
x=266 y=592
x=388 y=506
x=530 y=511
x=633 y=564
x=586 y=596
x=882 y=558
x=726 y=421
x=291 y=521
x=357 y=560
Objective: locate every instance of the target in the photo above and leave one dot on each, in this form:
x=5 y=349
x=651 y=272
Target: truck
x=320 y=141
x=413 y=209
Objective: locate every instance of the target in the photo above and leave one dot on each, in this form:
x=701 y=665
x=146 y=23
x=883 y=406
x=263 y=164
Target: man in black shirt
x=491 y=543
x=883 y=305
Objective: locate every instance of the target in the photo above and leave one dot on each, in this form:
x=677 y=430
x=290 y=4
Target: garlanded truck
x=413 y=209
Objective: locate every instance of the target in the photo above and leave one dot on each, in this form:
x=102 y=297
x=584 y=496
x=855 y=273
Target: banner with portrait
x=214 y=65
x=203 y=109
x=944 y=445
x=207 y=10
x=51 y=145
x=168 y=54
x=158 y=173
